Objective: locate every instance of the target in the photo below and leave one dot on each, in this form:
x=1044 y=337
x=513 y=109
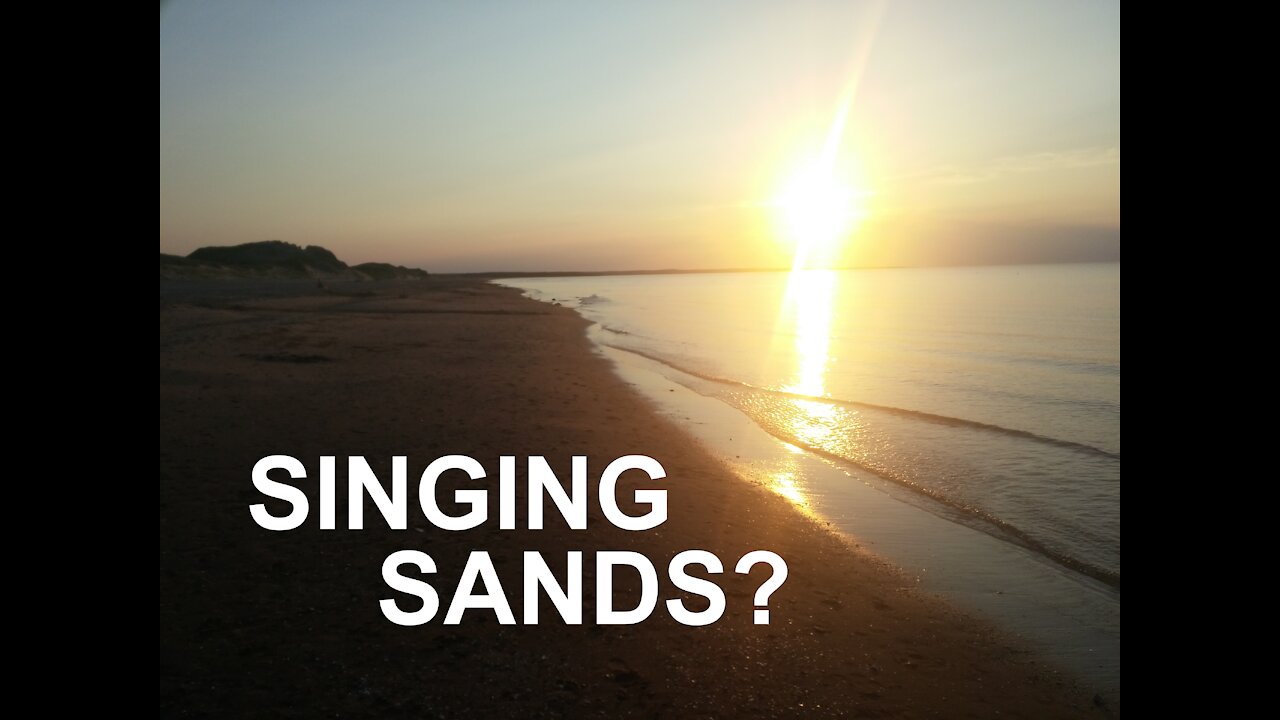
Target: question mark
x=773 y=583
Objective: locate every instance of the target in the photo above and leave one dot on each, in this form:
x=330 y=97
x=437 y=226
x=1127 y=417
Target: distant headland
x=277 y=259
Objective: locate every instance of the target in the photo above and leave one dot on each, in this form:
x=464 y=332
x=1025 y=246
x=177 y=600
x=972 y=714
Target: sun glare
x=818 y=210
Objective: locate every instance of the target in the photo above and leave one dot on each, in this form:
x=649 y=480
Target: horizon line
x=677 y=271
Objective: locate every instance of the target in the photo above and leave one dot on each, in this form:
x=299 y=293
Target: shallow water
x=962 y=422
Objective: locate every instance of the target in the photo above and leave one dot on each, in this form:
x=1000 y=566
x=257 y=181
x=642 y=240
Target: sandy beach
x=287 y=624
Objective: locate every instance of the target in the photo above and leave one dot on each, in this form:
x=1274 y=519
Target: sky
x=551 y=135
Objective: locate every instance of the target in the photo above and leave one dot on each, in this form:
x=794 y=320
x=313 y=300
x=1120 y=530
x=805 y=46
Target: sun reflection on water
x=784 y=484
x=809 y=299
x=809 y=309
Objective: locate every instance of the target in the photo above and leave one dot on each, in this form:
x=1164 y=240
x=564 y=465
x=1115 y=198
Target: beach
x=288 y=624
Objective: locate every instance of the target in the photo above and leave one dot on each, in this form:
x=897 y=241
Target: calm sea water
x=993 y=391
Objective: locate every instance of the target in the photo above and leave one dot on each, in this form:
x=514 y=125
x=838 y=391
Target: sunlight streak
x=822 y=200
x=809 y=307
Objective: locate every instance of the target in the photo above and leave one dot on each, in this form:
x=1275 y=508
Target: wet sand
x=287 y=624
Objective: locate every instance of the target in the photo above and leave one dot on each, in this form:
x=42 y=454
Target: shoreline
x=1068 y=617
x=255 y=622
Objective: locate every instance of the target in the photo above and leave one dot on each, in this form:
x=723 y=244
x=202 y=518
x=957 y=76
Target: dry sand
x=287 y=624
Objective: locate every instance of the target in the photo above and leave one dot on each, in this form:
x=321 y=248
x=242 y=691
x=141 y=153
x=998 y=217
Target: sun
x=817 y=209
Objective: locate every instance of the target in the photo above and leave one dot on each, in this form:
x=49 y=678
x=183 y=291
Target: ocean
x=984 y=398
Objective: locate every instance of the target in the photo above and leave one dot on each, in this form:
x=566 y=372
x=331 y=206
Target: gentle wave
x=904 y=412
x=973 y=514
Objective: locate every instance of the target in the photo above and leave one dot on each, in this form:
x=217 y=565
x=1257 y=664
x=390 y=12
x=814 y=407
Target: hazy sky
x=628 y=135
